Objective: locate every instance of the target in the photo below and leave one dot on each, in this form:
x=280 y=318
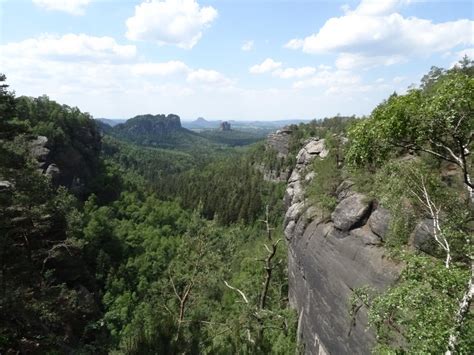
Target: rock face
x=329 y=257
x=279 y=142
x=70 y=165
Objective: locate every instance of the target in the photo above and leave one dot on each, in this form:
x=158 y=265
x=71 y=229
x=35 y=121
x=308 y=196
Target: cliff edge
x=330 y=257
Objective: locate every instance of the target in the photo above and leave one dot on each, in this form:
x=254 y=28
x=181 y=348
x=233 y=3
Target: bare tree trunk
x=269 y=266
x=463 y=308
x=424 y=197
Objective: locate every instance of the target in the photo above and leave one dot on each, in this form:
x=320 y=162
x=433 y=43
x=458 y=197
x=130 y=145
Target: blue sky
x=228 y=59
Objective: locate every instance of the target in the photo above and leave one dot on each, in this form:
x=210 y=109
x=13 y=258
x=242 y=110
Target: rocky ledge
x=329 y=257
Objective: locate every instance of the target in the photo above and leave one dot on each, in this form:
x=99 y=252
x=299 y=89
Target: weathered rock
x=344 y=190
x=53 y=171
x=38 y=148
x=379 y=221
x=327 y=261
x=5 y=185
x=310 y=176
x=367 y=236
x=311 y=149
x=323 y=271
x=294 y=212
x=351 y=211
x=315 y=147
x=280 y=141
x=423 y=237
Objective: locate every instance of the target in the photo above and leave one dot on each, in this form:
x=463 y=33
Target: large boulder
x=379 y=221
x=423 y=237
x=351 y=211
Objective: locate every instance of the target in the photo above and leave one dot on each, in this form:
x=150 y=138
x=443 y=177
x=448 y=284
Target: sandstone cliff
x=329 y=257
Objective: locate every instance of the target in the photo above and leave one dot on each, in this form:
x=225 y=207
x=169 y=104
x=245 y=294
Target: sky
x=228 y=59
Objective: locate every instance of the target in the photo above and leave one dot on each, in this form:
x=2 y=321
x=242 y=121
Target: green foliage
x=232 y=138
x=436 y=119
x=400 y=155
x=420 y=308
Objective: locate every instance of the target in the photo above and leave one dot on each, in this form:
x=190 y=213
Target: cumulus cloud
x=247 y=46
x=348 y=61
x=268 y=65
x=375 y=29
x=170 y=22
x=329 y=79
x=160 y=69
x=69 y=47
x=291 y=73
x=206 y=77
x=74 y=7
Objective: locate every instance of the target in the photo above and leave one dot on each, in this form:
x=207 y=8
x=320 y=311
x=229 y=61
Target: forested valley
x=117 y=241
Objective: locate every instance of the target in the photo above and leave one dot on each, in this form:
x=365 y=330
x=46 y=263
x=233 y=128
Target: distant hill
x=200 y=124
x=203 y=124
x=112 y=121
x=158 y=131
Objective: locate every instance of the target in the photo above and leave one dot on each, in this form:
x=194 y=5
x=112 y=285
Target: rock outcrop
x=224 y=126
x=279 y=143
x=329 y=257
x=72 y=165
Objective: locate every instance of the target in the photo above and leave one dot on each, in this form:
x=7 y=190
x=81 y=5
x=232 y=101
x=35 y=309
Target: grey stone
x=52 y=171
x=351 y=211
x=344 y=190
x=323 y=269
x=5 y=185
x=379 y=221
x=366 y=235
x=38 y=148
x=315 y=147
x=280 y=141
x=423 y=237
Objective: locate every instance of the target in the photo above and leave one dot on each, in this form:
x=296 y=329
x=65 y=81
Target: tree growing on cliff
x=438 y=121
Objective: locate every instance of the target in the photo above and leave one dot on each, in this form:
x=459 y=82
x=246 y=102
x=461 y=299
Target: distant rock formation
x=224 y=126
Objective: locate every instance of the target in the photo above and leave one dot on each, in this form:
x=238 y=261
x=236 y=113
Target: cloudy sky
x=228 y=59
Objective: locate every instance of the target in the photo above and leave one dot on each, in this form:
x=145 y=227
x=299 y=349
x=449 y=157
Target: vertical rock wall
x=329 y=257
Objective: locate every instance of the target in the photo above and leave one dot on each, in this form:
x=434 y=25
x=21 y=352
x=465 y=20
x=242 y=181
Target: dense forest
x=116 y=240
x=112 y=246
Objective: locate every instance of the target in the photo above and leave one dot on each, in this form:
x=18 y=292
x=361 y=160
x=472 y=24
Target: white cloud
x=291 y=73
x=206 y=77
x=329 y=79
x=172 y=22
x=378 y=7
x=398 y=79
x=348 y=61
x=247 y=46
x=266 y=66
x=69 y=47
x=160 y=69
x=74 y=7
x=374 y=29
x=294 y=44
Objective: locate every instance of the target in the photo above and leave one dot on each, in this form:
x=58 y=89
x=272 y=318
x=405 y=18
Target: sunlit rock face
x=329 y=256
